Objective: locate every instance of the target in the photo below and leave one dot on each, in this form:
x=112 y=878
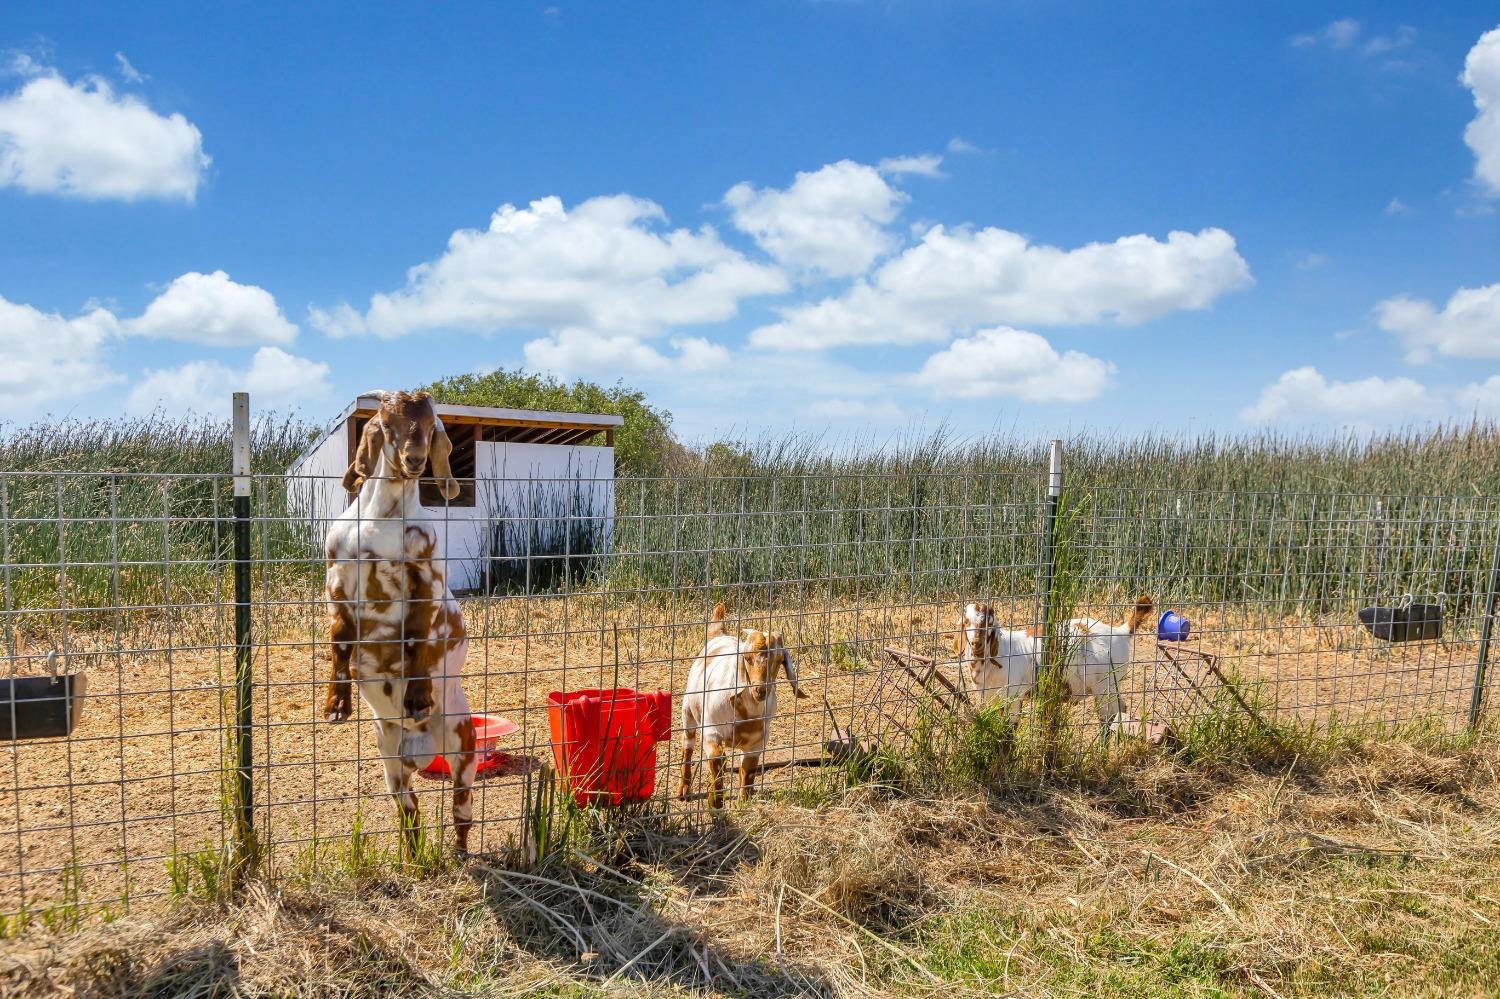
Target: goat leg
x=749 y=770
x=685 y=781
x=715 y=756
x=338 y=701
x=463 y=764
x=398 y=778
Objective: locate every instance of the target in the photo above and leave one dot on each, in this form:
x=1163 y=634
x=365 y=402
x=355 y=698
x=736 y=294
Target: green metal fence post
x=244 y=789
x=1476 y=701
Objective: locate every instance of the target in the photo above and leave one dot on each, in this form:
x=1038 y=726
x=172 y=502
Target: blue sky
x=789 y=214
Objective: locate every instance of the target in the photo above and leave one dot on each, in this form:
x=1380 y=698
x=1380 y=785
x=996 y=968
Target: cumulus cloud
x=1468 y=326
x=955 y=280
x=212 y=309
x=274 y=379
x=831 y=221
x=48 y=357
x=1014 y=363
x=1303 y=395
x=1482 y=76
x=959 y=146
x=606 y=266
x=81 y=139
x=578 y=352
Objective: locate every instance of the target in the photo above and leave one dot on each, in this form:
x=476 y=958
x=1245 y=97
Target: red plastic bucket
x=604 y=741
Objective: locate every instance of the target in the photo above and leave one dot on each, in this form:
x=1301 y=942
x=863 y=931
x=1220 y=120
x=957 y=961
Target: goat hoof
x=337 y=715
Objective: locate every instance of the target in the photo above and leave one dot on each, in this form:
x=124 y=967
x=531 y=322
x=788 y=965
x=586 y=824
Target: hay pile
x=1374 y=870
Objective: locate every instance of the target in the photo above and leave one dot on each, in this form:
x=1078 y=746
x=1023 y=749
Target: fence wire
x=571 y=584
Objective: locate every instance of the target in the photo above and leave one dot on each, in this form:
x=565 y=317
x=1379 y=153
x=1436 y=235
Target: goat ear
x=958 y=641
x=366 y=456
x=791 y=668
x=438 y=453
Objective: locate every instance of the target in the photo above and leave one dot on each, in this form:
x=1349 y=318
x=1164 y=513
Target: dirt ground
x=140 y=778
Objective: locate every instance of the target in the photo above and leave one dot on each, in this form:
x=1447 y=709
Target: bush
x=643 y=445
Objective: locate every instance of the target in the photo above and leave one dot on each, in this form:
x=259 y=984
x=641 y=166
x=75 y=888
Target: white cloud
x=1482 y=76
x=128 y=72
x=1481 y=399
x=1303 y=395
x=211 y=309
x=1014 y=363
x=1396 y=207
x=605 y=266
x=1347 y=33
x=1341 y=34
x=925 y=165
x=1381 y=44
x=1311 y=261
x=568 y=353
x=830 y=220
x=1468 y=326
x=48 y=357
x=863 y=411
x=274 y=379
x=81 y=139
x=958 y=146
x=958 y=279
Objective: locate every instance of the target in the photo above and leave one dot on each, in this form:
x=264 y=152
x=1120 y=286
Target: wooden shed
x=536 y=489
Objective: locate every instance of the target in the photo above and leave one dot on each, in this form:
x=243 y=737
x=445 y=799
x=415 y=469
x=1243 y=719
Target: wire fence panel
x=1272 y=584
x=577 y=583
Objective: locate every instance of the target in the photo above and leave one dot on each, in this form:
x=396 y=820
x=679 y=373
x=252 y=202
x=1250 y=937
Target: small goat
x=729 y=703
x=1001 y=663
x=396 y=628
x=994 y=662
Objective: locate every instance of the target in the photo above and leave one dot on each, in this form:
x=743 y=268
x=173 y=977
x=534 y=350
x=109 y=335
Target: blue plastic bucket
x=1173 y=627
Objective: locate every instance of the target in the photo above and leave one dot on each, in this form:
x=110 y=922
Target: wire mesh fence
x=577 y=584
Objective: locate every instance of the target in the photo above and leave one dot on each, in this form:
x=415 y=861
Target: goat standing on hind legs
x=729 y=702
x=397 y=630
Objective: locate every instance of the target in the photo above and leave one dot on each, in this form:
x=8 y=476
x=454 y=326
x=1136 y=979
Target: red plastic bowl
x=488 y=729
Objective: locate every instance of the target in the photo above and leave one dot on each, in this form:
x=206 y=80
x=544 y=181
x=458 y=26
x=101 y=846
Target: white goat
x=998 y=663
x=729 y=703
x=994 y=662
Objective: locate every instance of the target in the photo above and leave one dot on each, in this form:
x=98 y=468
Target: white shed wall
x=527 y=496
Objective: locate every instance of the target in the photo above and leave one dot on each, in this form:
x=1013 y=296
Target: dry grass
x=1366 y=869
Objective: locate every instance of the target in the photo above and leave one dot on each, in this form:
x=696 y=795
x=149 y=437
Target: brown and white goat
x=998 y=663
x=397 y=630
x=729 y=703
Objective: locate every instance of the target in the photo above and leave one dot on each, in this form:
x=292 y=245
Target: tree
x=642 y=445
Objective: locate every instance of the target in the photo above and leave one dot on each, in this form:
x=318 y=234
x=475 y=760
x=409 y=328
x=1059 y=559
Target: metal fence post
x=244 y=797
x=1485 y=630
